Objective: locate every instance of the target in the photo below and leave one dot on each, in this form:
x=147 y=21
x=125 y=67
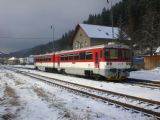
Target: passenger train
x=109 y=61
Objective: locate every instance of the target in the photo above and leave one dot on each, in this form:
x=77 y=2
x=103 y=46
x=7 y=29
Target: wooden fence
x=151 y=62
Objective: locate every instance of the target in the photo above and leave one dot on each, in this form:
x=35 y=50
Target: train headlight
x=109 y=63
x=127 y=63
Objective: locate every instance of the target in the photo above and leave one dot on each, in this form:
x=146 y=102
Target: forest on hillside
x=140 y=19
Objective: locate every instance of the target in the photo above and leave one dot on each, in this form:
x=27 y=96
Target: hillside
x=61 y=44
x=140 y=19
x=2 y=54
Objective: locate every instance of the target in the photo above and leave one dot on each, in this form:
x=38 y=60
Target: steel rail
x=131 y=81
x=106 y=91
x=125 y=105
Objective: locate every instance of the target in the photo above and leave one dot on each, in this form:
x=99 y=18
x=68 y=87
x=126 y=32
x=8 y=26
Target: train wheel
x=62 y=71
x=96 y=77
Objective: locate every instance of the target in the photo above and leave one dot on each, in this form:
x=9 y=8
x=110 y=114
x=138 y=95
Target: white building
x=29 y=60
x=86 y=35
x=13 y=61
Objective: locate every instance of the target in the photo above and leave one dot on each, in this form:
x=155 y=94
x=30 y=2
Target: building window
x=77 y=45
x=80 y=45
x=86 y=44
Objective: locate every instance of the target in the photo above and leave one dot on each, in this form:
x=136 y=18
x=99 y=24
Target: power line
x=26 y=37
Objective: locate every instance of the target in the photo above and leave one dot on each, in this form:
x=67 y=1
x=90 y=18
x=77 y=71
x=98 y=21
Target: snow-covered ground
x=24 y=98
x=147 y=93
x=153 y=75
x=147 y=74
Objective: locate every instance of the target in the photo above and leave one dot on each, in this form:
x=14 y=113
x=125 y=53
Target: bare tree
x=150 y=31
x=121 y=35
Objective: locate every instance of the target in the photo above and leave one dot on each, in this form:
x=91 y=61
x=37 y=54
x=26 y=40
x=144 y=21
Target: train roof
x=40 y=55
x=98 y=46
x=88 y=48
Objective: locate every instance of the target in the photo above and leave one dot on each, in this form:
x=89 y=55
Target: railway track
x=147 y=107
x=141 y=83
x=130 y=81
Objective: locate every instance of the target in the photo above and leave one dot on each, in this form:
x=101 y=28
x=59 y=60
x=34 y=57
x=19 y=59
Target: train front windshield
x=117 y=54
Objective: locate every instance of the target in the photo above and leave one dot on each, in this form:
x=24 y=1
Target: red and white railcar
x=109 y=61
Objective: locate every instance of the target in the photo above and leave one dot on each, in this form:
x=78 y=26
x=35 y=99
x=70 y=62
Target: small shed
x=13 y=61
x=151 y=62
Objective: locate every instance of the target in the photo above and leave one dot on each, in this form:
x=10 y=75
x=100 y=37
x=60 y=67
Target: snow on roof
x=158 y=50
x=12 y=58
x=97 y=31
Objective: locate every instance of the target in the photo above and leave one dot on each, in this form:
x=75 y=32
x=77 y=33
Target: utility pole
x=52 y=27
x=111 y=20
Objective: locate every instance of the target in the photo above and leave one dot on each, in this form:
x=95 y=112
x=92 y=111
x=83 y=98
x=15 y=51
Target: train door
x=53 y=61
x=96 y=60
x=58 y=61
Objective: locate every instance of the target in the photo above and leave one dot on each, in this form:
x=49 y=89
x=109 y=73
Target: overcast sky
x=26 y=23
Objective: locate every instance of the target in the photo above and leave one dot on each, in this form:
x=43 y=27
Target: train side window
x=66 y=57
x=89 y=55
x=62 y=58
x=113 y=53
x=107 y=54
x=82 y=55
x=70 y=56
x=120 y=54
x=76 y=57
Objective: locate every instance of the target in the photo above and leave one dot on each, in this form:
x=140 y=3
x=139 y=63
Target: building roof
x=103 y=32
x=12 y=58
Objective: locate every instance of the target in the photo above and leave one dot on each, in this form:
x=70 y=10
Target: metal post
x=52 y=27
x=112 y=21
